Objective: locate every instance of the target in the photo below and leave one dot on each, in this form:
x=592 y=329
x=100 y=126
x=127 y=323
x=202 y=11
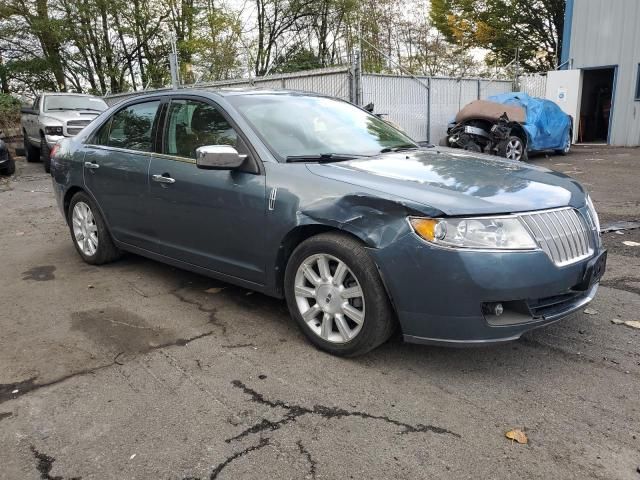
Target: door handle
x=162 y=179
x=90 y=165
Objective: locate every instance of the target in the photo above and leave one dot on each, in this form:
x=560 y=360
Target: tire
x=567 y=145
x=515 y=149
x=45 y=154
x=340 y=334
x=105 y=251
x=10 y=169
x=31 y=153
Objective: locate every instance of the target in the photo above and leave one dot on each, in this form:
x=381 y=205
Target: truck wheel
x=30 y=152
x=45 y=154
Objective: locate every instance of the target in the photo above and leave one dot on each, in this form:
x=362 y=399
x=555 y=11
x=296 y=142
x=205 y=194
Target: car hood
x=458 y=182
x=66 y=115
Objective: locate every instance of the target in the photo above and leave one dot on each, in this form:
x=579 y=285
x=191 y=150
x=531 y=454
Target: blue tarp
x=547 y=125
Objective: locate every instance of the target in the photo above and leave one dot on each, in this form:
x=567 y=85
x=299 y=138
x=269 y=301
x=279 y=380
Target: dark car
x=315 y=200
x=7 y=163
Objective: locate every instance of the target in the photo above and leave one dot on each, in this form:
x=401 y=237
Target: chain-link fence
x=422 y=106
x=533 y=84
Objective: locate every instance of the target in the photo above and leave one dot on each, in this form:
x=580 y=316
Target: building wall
x=606 y=33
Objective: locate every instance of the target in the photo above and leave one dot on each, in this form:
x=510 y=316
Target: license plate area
x=594 y=271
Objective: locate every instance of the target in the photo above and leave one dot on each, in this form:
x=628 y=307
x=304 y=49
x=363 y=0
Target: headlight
x=488 y=233
x=593 y=214
x=53 y=130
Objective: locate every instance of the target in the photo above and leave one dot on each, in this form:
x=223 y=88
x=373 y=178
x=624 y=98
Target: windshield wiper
x=323 y=157
x=400 y=148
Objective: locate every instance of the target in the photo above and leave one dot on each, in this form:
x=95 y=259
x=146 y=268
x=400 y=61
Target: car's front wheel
x=89 y=231
x=335 y=293
x=45 y=154
x=31 y=153
x=515 y=149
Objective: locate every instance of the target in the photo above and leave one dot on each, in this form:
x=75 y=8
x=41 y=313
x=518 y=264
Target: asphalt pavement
x=137 y=370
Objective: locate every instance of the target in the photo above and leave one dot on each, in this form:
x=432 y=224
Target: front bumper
x=439 y=294
x=53 y=139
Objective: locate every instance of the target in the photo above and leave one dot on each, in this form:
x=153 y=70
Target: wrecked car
x=511 y=125
x=311 y=199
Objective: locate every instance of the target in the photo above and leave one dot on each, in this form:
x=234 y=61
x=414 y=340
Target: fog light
x=493 y=308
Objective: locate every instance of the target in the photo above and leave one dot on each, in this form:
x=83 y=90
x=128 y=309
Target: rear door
x=116 y=166
x=210 y=218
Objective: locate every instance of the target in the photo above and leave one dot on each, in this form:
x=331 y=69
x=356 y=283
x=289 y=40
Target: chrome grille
x=562 y=234
x=82 y=123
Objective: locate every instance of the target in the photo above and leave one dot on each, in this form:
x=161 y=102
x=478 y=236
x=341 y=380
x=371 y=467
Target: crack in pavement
x=621 y=283
x=221 y=466
x=44 y=465
x=11 y=391
x=294 y=411
x=210 y=311
x=310 y=460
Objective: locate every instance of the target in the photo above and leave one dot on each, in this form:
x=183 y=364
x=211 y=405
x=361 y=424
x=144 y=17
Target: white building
x=602 y=53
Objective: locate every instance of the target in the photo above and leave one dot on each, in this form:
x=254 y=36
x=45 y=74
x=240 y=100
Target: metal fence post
x=429 y=110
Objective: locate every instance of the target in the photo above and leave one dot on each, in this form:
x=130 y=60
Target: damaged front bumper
x=447 y=297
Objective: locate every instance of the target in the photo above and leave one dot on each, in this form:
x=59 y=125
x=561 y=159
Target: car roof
x=217 y=92
x=66 y=94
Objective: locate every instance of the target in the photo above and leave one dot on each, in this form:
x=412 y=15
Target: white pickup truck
x=54 y=116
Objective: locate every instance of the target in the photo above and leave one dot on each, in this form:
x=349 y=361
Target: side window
x=36 y=104
x=131 y=127
x=191 y=124
x=638 y=85
x=101 y=137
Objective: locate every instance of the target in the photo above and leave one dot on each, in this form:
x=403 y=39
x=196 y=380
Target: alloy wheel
x=515 y=148
x=85 y=229
x=329 y=298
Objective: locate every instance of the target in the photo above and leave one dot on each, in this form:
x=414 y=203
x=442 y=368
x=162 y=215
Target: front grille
x=562 y=234
x=558 y=303
x=81 y=123
x=74 y=131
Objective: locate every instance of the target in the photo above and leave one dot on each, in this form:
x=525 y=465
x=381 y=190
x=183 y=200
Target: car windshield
x=73 y=102
x=295 y=127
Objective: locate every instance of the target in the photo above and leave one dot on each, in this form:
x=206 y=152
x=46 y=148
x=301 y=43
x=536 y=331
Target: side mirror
x=369 y=107
x=218 y=157
x=27 y=110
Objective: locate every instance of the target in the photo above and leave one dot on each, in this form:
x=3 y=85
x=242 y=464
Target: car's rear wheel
x=567 y=145
x=89 y=231
x=515 y=149
x=30 y=152
x=335 y=293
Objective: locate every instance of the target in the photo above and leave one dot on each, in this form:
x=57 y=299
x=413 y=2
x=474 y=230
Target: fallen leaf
x=214 y=290
x=132 y=456
x=15 y=391
x=517 y=435
x=19 y=234
x=590 y=311
x=615 y=321
x=632 y=324
x=629 y=243
x=89 y=286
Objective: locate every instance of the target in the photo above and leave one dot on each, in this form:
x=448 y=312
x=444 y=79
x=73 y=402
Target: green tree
x=533 y=27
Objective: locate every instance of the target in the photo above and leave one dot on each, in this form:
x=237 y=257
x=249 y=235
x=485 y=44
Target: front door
x=210 y=218
x=116 y=166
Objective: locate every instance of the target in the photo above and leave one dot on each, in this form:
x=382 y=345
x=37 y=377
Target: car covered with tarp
x=511 y=125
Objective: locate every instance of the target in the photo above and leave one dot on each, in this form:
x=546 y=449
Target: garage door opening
x=596 y=106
